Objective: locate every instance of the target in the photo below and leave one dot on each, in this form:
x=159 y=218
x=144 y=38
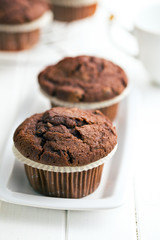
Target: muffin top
x=83 y=79
x=21 y=11
x=66 y=137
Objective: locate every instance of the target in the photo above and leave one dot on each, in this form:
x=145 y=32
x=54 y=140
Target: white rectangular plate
x=15 y=188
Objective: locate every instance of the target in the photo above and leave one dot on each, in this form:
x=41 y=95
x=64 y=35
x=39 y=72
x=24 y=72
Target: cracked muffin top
x=21 y=11
x=83 y=79
x=66 y=137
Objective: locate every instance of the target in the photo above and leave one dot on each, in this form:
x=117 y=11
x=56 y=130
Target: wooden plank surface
x=23 y=223
x=147 y=161
x=110 y=224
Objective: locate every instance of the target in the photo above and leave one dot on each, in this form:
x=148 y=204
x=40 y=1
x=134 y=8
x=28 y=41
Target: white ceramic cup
x=147 y=32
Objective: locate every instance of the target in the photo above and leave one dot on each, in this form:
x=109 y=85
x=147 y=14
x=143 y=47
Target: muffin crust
x=21 y=11
x=66 y=137
x=83 y=79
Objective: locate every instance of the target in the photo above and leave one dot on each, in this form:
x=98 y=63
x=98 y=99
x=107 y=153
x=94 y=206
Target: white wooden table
x=139 y=217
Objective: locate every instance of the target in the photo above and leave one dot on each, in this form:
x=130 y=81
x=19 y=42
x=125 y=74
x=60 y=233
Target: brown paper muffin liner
x=64 y=185
x=18 y=41
x=22 y=36
x=69 y=13
x=110 y=111
x=65 y=182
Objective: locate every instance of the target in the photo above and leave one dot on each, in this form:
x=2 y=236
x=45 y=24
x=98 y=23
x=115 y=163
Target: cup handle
x=111 y=23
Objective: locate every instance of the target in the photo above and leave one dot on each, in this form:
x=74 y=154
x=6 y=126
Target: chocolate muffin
x=64 y=150
x=70 y=10
x=20 y=23
x=85 y=82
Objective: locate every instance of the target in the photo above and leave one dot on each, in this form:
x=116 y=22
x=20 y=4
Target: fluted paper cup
x=64 y=182
x=22 y=36
x=69 y=10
